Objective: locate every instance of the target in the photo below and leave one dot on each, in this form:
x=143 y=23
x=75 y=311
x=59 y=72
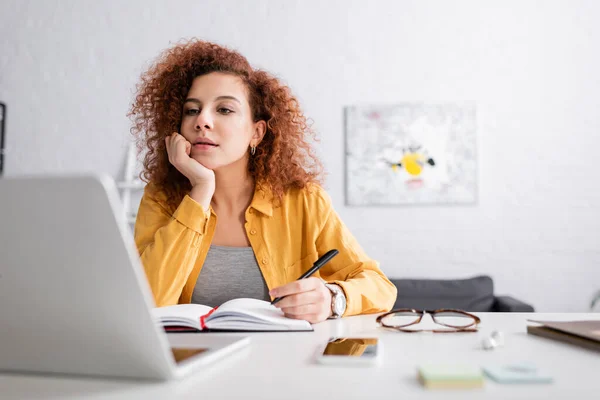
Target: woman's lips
x=204 y=146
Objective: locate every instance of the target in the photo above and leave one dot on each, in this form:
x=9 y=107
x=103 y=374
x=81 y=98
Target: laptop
x=74 y=298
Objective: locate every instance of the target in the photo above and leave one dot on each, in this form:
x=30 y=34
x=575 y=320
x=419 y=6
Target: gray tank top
x=229 y=273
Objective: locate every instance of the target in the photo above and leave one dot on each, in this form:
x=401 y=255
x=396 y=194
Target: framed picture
x=411 y=154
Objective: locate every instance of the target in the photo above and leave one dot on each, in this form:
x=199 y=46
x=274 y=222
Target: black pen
x=318 y=264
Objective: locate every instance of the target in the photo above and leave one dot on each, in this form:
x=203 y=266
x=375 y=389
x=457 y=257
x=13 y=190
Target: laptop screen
x=181 y=354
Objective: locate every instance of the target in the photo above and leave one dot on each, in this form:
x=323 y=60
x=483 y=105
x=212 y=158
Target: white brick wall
x=68 y=68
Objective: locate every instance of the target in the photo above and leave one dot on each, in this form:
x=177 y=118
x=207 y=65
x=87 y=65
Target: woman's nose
x=204 y=121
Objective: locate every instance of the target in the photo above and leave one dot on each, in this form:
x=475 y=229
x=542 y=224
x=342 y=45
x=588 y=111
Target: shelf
x=131 y=185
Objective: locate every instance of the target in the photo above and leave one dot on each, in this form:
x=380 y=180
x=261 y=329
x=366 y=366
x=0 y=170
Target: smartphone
x=350 y=351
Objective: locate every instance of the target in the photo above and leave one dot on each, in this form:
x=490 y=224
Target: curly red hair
x=284 y=159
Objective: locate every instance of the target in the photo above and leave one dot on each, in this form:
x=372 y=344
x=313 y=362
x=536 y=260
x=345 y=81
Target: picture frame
x=411 y=154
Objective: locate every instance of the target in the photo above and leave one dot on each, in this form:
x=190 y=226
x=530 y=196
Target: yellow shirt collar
x=262 y=200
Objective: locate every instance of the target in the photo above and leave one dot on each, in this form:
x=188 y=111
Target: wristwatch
x=338 y=300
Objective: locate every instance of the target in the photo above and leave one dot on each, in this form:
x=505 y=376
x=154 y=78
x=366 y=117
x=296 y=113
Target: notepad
x=513 y=374
x=450 y=376
x=238 y=315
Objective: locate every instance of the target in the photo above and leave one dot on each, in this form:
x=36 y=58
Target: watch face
x=340 y=304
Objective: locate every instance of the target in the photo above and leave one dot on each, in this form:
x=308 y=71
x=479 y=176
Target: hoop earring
x=253 y=150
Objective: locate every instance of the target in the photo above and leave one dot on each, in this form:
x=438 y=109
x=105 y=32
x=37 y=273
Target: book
x=237 y=315
x=580 y=333
x=450 y=376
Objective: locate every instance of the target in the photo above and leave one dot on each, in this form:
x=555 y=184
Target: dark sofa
x=474 y=294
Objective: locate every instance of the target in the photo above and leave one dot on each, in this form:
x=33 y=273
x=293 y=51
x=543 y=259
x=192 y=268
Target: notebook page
x=188 y=314
x=254 y=309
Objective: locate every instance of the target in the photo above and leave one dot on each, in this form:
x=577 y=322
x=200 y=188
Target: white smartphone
x=350 y=351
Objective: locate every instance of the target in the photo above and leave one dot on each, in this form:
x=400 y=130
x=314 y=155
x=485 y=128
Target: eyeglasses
x=405 y=319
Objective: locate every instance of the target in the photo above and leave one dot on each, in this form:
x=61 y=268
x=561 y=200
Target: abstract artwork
x=411 y=154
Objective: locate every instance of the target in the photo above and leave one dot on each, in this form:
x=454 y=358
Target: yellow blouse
x=286 y=239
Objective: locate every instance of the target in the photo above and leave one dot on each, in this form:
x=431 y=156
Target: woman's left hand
x=307 y=299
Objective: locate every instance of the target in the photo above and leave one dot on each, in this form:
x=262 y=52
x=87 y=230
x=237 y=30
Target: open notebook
x=234 y=315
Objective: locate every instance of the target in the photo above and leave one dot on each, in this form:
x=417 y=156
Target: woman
x=233 y=206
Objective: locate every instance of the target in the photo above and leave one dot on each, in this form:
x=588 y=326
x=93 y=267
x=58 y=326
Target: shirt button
x=253 y=232
x=264 y=261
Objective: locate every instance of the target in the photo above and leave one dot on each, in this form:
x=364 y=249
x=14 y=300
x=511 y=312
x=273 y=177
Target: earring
x=252 y=150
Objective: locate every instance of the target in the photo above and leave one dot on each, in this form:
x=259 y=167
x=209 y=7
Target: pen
x=318 y=264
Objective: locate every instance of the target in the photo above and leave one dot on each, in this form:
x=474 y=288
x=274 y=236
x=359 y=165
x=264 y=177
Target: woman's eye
x=192 y=111
x=224 y=110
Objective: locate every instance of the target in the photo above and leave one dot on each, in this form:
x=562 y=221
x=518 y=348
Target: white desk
x=280 y=366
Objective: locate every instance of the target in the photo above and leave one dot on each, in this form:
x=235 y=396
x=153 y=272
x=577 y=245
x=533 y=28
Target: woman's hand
x=201 y=178
x=179 y=149
x=307 y=299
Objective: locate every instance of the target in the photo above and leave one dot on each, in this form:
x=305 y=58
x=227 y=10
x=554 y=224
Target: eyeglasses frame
x=473 y=327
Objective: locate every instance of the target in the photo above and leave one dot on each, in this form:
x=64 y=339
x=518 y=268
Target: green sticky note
x=450 y=376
